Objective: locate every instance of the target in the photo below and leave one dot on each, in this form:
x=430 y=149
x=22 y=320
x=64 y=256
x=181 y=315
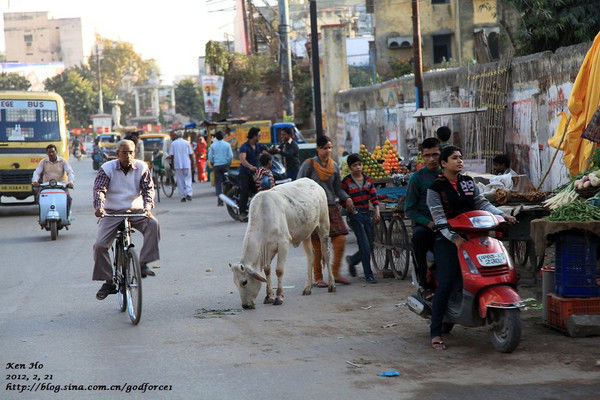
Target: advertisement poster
x=212 y=86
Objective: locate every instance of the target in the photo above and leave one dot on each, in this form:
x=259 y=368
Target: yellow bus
x=29 y=121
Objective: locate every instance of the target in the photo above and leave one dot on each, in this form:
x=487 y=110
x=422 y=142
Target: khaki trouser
x=338 y=243
x=107 y=231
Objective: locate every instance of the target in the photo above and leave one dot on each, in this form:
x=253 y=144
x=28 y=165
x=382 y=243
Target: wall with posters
x=538 y=89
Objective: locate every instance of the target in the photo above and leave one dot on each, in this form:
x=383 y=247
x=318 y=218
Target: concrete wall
x=539 y=88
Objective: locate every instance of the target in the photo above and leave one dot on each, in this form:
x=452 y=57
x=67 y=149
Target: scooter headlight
x=484 y=221
x=472 y=268
x=52 y=182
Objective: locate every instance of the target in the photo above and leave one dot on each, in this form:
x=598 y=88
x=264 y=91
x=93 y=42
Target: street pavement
x=195 y=342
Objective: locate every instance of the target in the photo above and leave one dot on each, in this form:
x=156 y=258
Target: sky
x=174 y=32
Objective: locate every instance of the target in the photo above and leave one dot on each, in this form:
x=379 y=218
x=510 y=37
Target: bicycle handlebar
x=124 y=215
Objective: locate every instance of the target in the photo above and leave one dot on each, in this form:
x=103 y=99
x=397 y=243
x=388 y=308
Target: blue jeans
x=449 y=277
x=362 y=226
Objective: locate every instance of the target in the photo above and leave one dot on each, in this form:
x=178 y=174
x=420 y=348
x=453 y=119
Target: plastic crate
x=559 y=309
x=576 y=265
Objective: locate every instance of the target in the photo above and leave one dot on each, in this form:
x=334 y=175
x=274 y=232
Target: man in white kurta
x=182 y=155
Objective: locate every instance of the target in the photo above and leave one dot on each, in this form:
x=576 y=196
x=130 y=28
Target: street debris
x=209 y=270
x=353 y=364
x=203 y=313
x=359 y=363
x=532 y=304
x=389 y=325
x=367 y=307
x=389 y=373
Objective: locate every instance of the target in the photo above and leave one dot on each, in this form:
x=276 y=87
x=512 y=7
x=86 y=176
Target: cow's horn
x=256 y=275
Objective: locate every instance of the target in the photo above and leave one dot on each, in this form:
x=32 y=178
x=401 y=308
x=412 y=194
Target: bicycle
x=127 y=272
x=167 y=182
x=155 y=170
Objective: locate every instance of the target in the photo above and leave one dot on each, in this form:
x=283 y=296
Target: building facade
x=33 y=37
x=451 y=30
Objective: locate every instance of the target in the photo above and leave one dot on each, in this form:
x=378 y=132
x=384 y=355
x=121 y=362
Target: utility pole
x=100 y=99
x=285 y=58
x=245 y=20
x=252 y=33
x=417 y=61
x=314 y=45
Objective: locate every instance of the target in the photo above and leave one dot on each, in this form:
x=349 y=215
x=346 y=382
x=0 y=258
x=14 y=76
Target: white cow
x=286 y=214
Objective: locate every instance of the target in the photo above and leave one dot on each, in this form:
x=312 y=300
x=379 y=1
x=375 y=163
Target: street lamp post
x=100 y=99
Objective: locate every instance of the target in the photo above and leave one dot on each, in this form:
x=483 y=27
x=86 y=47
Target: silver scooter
x=53 y=207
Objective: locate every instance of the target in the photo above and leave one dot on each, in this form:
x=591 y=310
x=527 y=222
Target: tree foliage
x=303 y=91
x=78 y=94
x=12 y=81
x=188 y=99
x=253 y=72
x=550 y=24
x=360 y=76
x=217 y=57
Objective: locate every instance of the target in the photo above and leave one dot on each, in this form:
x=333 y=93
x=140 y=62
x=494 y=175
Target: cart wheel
x=379 y=254
x=400 y=253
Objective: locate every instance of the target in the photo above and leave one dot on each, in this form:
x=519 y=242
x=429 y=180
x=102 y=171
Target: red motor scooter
x=489 y=291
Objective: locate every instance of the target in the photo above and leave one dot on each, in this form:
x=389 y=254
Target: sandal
x=320 y=283
x=426 y=294
x=438 y=344
x=105 y=290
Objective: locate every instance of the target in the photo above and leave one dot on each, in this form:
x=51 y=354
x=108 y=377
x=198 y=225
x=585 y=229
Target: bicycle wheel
x=519 y=251
x=379 y=254
x=120 y=279
x=133 y=285
x=167 y=182
x=157 y=185
x=400 y=252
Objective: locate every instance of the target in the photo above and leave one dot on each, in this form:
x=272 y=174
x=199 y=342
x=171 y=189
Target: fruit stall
x=391 y=251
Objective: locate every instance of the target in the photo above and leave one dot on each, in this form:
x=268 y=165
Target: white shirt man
x=182 y=155
x=54 y=167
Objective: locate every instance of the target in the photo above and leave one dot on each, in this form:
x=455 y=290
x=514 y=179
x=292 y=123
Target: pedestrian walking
x=220 y=157
x=288 y=149
x=361 y=190
x=183 y=156
x=323 y=170
x=201 y=159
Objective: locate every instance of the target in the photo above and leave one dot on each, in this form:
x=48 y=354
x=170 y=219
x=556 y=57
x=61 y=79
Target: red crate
x=560 y=309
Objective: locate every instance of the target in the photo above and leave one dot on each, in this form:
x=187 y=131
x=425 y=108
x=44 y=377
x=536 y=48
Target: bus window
x=27 y=121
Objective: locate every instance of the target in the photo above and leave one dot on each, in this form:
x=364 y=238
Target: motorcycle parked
x=53 y=207
x=489 y=292
x=231 y=188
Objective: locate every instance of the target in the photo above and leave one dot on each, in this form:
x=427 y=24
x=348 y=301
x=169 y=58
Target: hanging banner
x=212 y=86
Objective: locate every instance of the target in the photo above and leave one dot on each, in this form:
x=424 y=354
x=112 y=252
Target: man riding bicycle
x=123 y=185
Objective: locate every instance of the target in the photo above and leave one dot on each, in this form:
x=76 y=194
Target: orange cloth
x=583 y=102
x=339 y=244
x=323 y=172
x=201 y=159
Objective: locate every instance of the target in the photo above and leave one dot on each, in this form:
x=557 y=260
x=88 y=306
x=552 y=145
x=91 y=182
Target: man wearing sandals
x=415 y=207
x=121 y=186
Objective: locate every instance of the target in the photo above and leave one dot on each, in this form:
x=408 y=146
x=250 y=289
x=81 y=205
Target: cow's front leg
x=281 y=257
x=308 y=250
x=269 y=291
x=326 y=248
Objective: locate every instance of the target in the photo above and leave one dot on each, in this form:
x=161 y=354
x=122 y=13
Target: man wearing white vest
x=54 y=167
x=123 y=185
x=182 y=155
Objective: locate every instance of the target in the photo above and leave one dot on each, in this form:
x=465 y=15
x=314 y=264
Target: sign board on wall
x=212 y=86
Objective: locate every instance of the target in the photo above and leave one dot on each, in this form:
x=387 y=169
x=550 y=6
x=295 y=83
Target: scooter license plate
x=491 y=259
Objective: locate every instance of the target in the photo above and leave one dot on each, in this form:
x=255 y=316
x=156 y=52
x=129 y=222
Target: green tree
x=12 y=81
x=550 y=24
x=78 y=94
x=188 y=99
x=303 y=91
x=360 y=76
x=217 y=57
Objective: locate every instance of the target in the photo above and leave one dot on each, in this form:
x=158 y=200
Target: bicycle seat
x=121 y=226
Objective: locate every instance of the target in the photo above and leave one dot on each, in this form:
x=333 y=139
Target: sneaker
x=371 y=279
x=146 y=271
x=188 y=198
x=105 y=290
x=351 y=267
x=183 y=200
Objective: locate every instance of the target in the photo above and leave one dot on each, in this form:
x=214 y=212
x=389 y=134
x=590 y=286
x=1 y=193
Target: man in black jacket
x=288 y=149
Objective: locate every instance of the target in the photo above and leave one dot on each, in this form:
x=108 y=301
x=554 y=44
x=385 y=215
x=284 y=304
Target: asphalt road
x=196 y=342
